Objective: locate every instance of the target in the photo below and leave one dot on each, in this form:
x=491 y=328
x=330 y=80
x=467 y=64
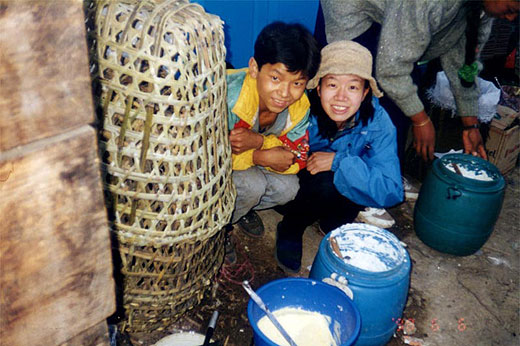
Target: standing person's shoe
x=376 y=217
x=252 y=224
x=411 y=193
x=288 y=253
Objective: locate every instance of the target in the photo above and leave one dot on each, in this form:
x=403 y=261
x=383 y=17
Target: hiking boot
x=376 y=217
x=411 y=193
x=229 y=248
x=251 y=224
x=288 y=253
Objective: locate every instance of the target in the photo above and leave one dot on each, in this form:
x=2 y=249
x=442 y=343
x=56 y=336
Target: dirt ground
x=471 y=300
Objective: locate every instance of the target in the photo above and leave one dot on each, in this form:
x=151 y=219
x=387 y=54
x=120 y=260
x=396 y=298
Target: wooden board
x=44 y=72
x=56 y=267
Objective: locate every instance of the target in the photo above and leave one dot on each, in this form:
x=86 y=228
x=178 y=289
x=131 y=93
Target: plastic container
x=454 y=213
x=309 y=295
x=380 y=293
x=182 y=339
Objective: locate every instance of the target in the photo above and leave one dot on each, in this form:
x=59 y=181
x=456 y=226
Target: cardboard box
x=503 y=144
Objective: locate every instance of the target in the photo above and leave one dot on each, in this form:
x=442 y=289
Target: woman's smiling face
x=341 y=96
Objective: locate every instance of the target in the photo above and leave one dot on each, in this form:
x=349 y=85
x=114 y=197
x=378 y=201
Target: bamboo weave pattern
x=159 y=71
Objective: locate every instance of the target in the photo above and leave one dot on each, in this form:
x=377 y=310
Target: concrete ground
x=471 y=300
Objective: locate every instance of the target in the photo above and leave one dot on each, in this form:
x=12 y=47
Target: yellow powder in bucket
x=306 y=328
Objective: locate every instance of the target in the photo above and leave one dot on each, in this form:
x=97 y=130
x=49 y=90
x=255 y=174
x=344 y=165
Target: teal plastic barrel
x=456 y=213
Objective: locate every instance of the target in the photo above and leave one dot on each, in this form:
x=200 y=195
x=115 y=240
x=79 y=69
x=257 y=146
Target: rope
x=233 y=274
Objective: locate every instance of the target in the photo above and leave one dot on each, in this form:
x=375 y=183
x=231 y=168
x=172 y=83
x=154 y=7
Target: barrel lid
x=470 y=171
x=367 y=248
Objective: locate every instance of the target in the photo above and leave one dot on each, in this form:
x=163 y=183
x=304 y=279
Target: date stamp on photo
x=407 y=325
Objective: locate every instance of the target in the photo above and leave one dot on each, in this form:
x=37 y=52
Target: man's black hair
x=290 y=44
x=327 y=127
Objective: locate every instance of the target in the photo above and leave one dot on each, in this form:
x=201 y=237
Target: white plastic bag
x=441 y=96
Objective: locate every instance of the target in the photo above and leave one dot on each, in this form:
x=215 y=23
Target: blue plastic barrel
x=456 y=213
x=309 y=295
x=379 y=295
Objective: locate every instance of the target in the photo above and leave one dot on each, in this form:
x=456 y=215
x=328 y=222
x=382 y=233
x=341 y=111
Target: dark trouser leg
x=345 y=212
x=335 y=209
x=317 y=199
x=298 y=214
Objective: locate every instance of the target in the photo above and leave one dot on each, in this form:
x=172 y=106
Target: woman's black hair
x=290 y=44
x=327 y=128
x=474 y=9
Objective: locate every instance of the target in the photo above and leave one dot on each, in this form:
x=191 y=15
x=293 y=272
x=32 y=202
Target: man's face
x=277 y=87
x=505 y=9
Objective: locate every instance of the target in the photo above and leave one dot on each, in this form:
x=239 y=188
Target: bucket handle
x=453 y=193
x=340 y=282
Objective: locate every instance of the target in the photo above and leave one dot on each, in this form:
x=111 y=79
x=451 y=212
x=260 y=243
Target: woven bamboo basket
x=159 y=67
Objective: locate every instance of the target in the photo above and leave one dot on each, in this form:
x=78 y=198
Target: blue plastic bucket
x=309 y=295
x=380 y=292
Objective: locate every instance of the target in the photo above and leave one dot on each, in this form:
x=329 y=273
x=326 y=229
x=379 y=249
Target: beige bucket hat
x=346 y=57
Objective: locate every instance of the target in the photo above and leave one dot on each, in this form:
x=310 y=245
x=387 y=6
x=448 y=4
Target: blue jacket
x=366 y=166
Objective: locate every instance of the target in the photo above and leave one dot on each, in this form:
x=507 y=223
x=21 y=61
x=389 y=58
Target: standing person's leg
x=401 y=123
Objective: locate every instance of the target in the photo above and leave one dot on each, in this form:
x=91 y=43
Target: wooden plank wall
x=44 y=74
x=56 y=284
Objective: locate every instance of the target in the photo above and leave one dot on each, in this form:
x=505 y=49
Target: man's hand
x=473 y=143
x=424 y=135
x=243 y=139
x=471 y=138
x=320 y=162
x=277 y=158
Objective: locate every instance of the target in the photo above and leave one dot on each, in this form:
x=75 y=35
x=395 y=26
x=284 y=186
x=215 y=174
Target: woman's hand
x=471 y=138
x=424 y=135
x=320 y=162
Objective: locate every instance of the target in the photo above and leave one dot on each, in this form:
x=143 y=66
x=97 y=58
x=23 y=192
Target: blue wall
x=244 y=19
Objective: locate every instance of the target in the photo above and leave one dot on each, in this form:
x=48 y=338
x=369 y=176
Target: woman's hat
x=346 y=57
